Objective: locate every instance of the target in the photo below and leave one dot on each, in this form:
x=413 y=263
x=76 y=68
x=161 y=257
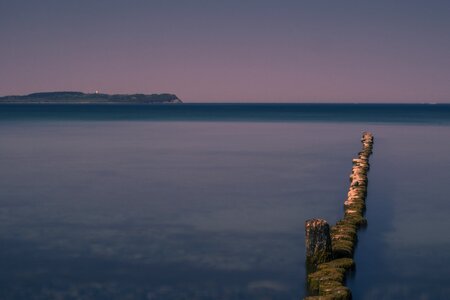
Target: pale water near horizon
x=205 y=204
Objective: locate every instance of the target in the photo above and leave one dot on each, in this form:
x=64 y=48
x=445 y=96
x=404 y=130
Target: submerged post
x=318 y=242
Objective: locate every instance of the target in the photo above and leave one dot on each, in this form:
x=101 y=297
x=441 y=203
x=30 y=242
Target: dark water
x=209 y=201
x=397 y=113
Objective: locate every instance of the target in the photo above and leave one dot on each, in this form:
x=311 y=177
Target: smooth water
x=438 y=114
x=119 y=202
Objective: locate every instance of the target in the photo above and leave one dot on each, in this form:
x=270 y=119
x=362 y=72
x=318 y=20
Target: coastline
x=71 y=97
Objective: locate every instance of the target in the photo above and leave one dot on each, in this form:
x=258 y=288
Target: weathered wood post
x=330 y=258
x=318 y=242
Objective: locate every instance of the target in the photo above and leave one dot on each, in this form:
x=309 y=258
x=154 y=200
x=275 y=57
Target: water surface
x=104 y=205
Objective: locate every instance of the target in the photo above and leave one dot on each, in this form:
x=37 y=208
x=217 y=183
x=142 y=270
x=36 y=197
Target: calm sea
x=208 y=201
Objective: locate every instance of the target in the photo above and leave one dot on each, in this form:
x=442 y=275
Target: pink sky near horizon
x=251 y=51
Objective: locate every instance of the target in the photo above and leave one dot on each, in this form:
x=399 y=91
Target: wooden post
x=318 y=242
x=326 y=280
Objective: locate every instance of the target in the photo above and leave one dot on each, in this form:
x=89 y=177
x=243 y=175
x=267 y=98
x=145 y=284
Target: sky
x=230 y=51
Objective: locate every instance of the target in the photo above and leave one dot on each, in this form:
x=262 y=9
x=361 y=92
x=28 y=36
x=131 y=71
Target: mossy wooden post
x=318 y=242
x=326 y=281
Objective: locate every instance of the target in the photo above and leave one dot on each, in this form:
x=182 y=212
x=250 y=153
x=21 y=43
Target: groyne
x=329 y=250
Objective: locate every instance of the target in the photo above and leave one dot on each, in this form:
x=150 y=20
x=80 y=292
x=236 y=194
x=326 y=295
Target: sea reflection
x=404 y=253
x=185 y=210
x=116 y=210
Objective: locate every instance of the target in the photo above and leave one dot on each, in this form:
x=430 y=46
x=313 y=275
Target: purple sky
x=234 y=50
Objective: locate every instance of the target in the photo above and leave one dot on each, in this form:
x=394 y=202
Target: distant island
x=94 y=98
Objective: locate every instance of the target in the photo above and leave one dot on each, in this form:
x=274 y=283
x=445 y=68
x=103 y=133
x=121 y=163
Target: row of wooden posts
x=329 y=251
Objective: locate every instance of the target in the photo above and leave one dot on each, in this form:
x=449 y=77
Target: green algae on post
x=326 y=281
